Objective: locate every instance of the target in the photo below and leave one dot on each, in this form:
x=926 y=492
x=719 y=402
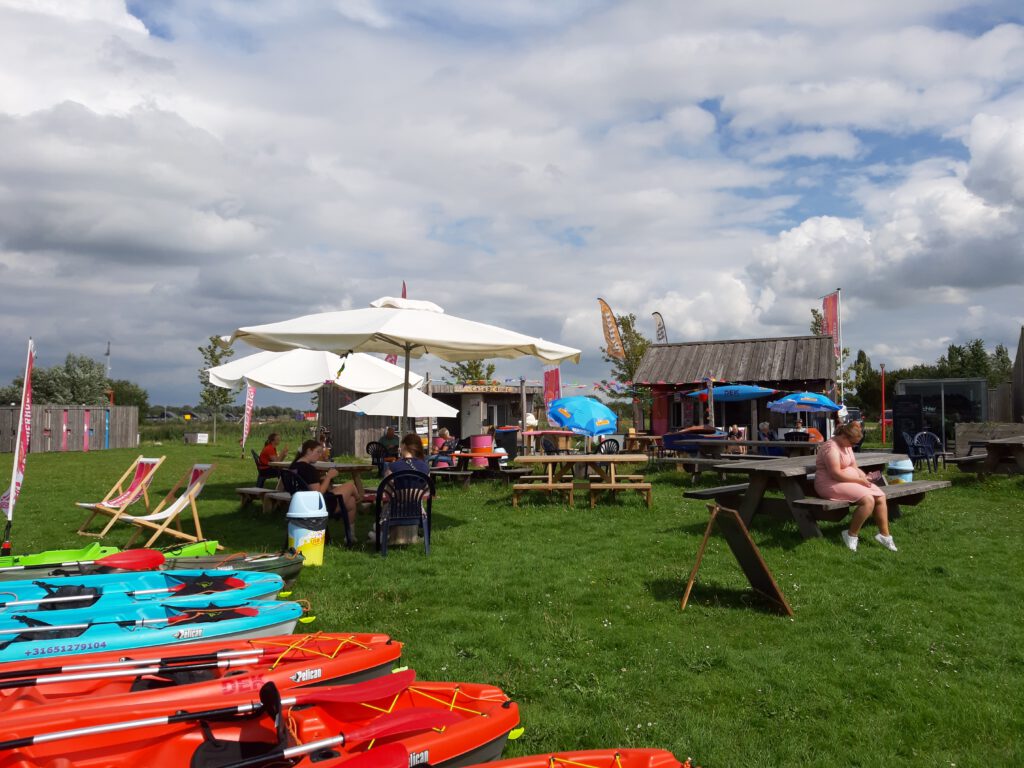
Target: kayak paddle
x=371 y=690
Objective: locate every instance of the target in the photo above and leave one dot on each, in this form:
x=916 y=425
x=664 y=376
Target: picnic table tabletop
x=799 y=466
x=1002 y=454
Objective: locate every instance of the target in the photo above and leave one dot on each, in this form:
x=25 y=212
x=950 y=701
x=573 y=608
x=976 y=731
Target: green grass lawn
x=913 y=658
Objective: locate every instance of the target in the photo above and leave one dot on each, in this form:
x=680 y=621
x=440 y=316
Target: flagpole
x=839 y=328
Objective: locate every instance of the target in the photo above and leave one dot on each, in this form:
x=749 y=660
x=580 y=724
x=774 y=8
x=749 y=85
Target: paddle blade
x=370 y=690
x=411 y=720
x=134 y=560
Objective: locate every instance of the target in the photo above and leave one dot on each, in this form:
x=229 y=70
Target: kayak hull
x=481 y=716
x=105 y=591
x=287 y=565
x=592 y=758
x=47 y=634
x=119 y=684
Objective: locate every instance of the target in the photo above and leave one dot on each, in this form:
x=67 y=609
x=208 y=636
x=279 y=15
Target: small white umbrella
x=306 y=370
x=404 y=326
x=390 y=403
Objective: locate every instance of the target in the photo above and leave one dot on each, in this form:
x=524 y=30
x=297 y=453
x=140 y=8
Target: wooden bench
x=719 y=492
x=274 y=498
x=972 y=462
x=520 y=488
x=644 y=489
x=910 y=494
x=455 y=475
x=252 y=493
x=619 y=478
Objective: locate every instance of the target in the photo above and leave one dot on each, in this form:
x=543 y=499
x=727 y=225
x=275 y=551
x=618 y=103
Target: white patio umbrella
x=392 y=402
x=306 y=370
x=403 y=326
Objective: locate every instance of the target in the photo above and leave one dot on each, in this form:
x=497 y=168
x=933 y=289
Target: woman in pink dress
x=838 y=477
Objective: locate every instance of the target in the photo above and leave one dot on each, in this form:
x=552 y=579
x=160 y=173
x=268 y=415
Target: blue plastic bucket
x=901 y=471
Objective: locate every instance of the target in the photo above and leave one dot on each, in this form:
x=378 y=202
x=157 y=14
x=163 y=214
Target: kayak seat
x=215 y=753
x=172 y=679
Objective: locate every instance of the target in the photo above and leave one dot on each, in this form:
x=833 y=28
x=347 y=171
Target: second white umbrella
x=390 y=403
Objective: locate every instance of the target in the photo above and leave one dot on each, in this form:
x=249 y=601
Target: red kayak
x=199 y=672
x=593 y=758
x=443 y=724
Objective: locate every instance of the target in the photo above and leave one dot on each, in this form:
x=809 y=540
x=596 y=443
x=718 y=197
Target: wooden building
x=72 y=427
x=790 y=364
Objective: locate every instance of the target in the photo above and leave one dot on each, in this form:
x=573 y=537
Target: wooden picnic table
x=1002 y=455
x=791 y=476
x=642 y=444
x=562 y=439
x=602 y=465
x=356 y=471
x=494 y=458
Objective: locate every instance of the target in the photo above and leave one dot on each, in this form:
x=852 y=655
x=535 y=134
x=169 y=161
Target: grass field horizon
x=908 y=659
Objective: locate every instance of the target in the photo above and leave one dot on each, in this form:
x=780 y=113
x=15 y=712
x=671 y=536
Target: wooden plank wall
x=350 y=432
x=50 y=423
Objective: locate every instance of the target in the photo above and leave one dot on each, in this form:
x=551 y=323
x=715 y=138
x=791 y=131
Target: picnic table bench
x=899 y=494
x=557 y=466
x=793 y=476
x=455 y=475
x=1004 y=455
x=252 y=493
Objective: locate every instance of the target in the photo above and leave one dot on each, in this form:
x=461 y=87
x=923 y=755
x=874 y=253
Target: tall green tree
x=211 y=396
x=472 y=370
x=79 y=381
x=817 y=322
x=129 y=393
x=625 y=397
x=1000 y=366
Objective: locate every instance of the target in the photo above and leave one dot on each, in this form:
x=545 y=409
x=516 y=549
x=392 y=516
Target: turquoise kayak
x=43 y=634
x=107 y=591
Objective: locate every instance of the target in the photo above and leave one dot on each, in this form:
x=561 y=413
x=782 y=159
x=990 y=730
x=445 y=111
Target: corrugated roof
x=786 y=359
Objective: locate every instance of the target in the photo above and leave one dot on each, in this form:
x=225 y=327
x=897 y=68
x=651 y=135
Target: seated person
x=272 y=451
x=837 y=476
x=799 y=426
x=340 y=499
x=735 y=434
x=389 y=442
x=764 y=433
x=442 y=453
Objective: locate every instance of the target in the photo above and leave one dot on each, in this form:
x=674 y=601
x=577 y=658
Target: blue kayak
x=105 y=591
x=41 y=634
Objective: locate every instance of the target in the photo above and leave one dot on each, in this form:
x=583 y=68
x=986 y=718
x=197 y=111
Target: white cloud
x=724 y=163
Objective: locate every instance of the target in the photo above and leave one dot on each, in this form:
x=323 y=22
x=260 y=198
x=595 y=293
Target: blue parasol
x=735 y=393
x=802 y=402
x=583 y=415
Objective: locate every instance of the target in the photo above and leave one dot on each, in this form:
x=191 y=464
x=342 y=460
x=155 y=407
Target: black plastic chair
x=403 y=498
x=549 y=447
x=376 y=452
x=797 y=437
x=262 y=475
x=931 y=445
x=611 y=445
x=915 y=452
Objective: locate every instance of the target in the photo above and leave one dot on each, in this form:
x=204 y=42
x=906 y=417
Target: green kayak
x=73 y=560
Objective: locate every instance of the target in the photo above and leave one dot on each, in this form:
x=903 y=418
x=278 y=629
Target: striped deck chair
x=171 y=508
x=121 y=497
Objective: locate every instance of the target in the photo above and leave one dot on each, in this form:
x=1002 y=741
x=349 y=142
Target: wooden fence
x=73 y=427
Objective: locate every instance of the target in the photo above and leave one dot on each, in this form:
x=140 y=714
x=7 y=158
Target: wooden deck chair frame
x=170 y=510
x=120 y=497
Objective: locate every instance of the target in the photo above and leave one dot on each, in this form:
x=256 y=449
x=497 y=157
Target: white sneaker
x=850 y=541
x=886 y=541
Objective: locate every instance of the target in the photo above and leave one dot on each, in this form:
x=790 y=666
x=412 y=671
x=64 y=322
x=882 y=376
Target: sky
x=176 y=169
